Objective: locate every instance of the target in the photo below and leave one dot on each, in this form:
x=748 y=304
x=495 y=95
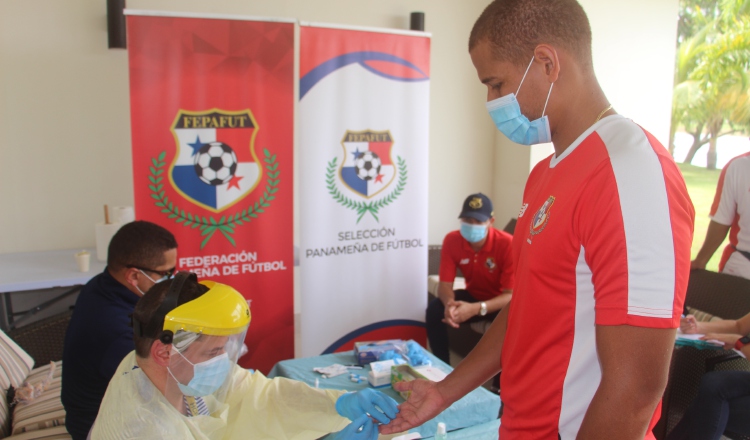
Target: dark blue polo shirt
x=99 y=337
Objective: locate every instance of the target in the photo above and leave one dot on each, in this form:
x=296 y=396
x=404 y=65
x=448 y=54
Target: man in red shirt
x=601 y=246
x=483 y=254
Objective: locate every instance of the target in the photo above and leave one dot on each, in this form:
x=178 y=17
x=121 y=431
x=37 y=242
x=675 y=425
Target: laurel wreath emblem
x=208 y=226
x=363 y=208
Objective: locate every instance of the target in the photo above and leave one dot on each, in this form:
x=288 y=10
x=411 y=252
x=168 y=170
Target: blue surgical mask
x=207 y=376
x=506 y=114
x=473 y=233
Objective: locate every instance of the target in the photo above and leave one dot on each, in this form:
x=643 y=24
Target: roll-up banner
x=212 y=105
x=363 y=154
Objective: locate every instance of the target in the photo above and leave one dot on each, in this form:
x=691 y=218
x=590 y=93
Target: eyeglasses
x=164 y=274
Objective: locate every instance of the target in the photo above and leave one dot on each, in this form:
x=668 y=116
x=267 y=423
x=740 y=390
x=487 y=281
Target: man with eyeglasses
x=99 y=335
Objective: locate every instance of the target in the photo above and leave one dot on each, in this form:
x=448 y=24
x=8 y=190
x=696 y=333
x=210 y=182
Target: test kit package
x=380 y=373
x=371 y=351
x=404 y=373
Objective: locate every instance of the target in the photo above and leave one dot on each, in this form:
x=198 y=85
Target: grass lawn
x=701 y=185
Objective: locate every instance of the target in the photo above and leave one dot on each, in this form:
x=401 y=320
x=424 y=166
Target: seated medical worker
x=182 y=381
x=483 y=254
x=140 y=254
x=723 y=400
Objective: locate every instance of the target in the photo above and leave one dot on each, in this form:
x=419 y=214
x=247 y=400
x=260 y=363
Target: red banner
x=212 y=123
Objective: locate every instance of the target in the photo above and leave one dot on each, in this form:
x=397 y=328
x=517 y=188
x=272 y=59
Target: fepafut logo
x=214 y=168
x=366 y=170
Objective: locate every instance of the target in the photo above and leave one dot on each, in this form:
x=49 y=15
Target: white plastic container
x=441 y=433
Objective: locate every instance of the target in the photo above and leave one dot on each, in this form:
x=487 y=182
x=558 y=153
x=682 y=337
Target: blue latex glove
x=368 y=401
x=391 y=354
x=417 y=355
x=362 y=428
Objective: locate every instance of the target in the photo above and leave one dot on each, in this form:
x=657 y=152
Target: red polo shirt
x=487 y=272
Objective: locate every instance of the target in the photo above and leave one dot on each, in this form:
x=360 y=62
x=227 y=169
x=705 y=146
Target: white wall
x=634 y=51
x=64 y=112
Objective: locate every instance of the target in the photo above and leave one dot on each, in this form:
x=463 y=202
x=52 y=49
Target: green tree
x=711 y=82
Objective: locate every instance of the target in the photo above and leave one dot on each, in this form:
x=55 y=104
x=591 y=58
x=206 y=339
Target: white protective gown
x=255 y=408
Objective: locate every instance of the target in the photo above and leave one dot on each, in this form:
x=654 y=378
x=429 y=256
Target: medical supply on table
x=361 y=428
x=379 y=406
x=356 y=378
x=404 y=373
x=331 y=370
x=367 y=352
x=317 y=383
x=441 y=433
x=432 y=373
x=380 y=373
x=409 y=436
x=416 y=355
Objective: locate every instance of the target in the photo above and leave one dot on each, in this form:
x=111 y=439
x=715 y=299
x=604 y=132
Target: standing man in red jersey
x=601 y=249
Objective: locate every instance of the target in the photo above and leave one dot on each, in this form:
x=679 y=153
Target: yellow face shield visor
x=222 y=311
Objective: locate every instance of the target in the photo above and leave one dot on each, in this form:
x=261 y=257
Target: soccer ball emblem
x=367 y=165
x=215 y=163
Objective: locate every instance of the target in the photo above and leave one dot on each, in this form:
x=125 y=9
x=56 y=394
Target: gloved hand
x=352 y=431
x=368 y=401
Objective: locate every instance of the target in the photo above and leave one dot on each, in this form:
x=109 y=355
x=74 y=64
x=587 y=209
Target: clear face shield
x=207 y=338
x=200 y=370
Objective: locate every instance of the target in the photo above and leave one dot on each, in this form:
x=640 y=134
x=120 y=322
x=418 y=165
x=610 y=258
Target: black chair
x=721 y=295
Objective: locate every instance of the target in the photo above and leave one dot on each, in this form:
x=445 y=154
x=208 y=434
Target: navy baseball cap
x=477 y=206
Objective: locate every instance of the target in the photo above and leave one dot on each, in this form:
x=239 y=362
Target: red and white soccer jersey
x=603 y=239
x=732 y=208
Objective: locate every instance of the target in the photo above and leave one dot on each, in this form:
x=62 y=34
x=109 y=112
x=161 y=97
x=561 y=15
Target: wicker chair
x=721 y=295
x=43 y=340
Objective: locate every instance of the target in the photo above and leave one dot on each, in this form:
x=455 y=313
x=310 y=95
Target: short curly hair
x=515 y=27
x=139 y=243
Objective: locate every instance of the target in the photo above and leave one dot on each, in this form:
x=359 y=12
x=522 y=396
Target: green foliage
x=701 y=184
x=711 y=82
x=363 y=208
x=226 y=225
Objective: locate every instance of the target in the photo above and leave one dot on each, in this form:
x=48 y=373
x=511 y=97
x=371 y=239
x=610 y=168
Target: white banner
x=363 y=164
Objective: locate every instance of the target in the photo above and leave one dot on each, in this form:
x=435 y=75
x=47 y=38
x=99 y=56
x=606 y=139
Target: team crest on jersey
x=490 y=263
x=215 y=165
x=367 y=170
x=539 y=222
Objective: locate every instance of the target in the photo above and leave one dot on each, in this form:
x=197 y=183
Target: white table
x=30 y=271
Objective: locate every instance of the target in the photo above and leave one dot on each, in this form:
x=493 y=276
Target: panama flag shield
x=367 y=168
x=215 y=165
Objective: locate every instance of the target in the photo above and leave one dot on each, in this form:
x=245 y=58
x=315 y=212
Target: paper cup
x=83 y=259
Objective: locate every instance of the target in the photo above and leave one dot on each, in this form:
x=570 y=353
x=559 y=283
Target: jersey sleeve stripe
x=719 y=191
x=646 y=219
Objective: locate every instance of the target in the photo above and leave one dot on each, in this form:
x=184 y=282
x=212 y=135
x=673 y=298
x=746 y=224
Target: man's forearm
x=481 y=364
x=721 y=326
x=498 y=302
x=635 y=364
x=715 y=235
x=445 y=292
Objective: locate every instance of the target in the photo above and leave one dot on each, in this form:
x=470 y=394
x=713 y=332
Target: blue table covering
x=477 y=409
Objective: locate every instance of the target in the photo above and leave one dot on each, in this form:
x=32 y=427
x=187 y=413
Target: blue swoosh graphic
x=324 y=69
